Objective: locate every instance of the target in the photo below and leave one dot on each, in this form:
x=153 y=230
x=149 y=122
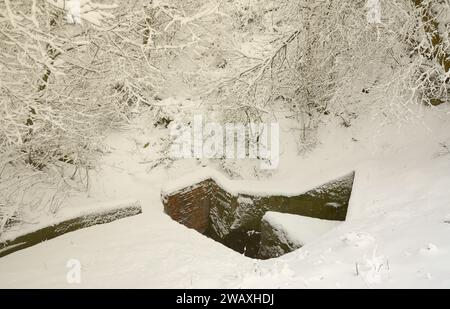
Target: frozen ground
x=397 y=233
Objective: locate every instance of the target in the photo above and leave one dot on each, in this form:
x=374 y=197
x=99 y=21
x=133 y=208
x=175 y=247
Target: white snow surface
x=259 y=188
x=397 y=232
x=68 y=213
x=297 y=229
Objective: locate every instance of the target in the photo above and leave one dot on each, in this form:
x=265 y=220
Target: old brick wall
x=190 y=206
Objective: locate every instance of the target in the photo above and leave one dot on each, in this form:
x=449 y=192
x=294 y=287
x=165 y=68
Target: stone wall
x=273 y=242
x=235 y=219
x=68 y=225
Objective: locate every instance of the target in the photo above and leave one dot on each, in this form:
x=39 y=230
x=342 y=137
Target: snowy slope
x=401 y=239
x=299 y=230
x=396 y=234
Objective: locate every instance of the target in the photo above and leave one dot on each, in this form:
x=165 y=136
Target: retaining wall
x=68 y=225
x=208 y=205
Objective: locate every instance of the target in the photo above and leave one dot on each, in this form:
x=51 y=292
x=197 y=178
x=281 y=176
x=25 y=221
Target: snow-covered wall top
x=72 y=213
x=286 y=188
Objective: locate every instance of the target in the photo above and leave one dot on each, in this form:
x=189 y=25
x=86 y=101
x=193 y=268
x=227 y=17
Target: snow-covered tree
x=430 y=45
x=70 y=71
x=323 y=50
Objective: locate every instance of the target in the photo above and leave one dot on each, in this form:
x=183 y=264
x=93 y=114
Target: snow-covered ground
x=298 y=230
x=397 y=233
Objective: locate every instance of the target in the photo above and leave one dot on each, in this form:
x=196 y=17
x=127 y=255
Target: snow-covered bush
x=429 y=47
x=54 y=102
x=315 y=53
x=328 y=52
x=71 y=73
x=248 y=15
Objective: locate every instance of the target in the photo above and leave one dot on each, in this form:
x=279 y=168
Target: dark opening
x=236 y=221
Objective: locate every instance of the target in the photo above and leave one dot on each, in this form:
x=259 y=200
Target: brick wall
x=190 y=206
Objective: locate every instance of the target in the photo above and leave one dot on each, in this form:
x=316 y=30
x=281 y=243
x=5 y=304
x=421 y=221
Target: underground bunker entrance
x=241 y=222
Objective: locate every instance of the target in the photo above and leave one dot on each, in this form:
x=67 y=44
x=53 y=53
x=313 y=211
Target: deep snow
x=299 y=230
x=396 y=235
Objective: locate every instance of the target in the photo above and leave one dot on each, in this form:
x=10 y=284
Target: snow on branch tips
x=63 y=86
x=78 y=11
